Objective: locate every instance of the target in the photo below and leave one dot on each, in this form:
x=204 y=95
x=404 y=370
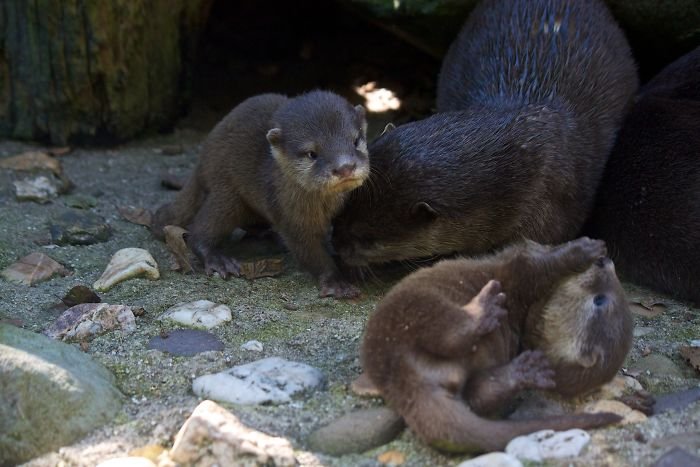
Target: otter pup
x=648 y=205
x=288 y=162
x=531 y=95
x=458 y=341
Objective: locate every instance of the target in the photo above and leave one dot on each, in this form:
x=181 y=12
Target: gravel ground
x=321 y=332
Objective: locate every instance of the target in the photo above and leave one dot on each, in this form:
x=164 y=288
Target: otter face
x=586 y=329
x=320 y=141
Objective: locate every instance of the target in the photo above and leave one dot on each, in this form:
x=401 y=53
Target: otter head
x=320 y=142
x=584 y=328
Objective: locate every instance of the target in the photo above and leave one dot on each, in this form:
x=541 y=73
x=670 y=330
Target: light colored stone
x=125 y=264
x=51 y=394
x=40 y=189
x=628 y=414
x=127 y=462
x=214 y=436
x=88 y=320
x=33 y=268
x=619 y=386
x=270 y=380
x=492 y=459
x=201 y=314
x=548 y=444
x=253 y=346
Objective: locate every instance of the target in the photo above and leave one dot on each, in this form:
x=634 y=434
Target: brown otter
x=532 y=94
x=648 y=204
x=444 y=352
x=288 y=162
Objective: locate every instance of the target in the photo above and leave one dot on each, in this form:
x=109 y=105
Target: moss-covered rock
x=50 y=395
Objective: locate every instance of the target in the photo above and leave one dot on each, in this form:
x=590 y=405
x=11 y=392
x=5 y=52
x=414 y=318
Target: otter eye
x=311 y=155
x=600 y=300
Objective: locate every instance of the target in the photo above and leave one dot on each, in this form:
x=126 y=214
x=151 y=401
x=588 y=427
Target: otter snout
x=345 y=170
x=605 y=262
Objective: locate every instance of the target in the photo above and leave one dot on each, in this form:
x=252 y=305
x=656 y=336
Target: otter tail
x=447 y=423
x=182 y=210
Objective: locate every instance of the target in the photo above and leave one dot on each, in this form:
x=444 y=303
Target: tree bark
x=94 y=71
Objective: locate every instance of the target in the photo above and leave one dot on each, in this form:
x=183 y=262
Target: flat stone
x=357 y=432
x=80 y=201
x=89 y=320
x=198 y=314
x=253 y=346
x=492 y=459
x=548 y=444
x=658 y=366
x=34 y=268
x=618 y=387
x=125 y=264
x=677 y=457
x=51 y=394
x=40 y=189
x=676 y=400
x=79 y=228
x=186 y=342
x=214 y=436
x=270 y=380
x=130 y=461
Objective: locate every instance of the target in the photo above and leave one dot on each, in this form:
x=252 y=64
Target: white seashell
x=125 y=264
x=198 y=314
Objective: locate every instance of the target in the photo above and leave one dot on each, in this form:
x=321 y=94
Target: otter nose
x=345 y=170
x=603 y=261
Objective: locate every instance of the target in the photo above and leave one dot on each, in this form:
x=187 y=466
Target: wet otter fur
x=286 y=162
x=531 y=95
x=648 y=205
x=454 y=343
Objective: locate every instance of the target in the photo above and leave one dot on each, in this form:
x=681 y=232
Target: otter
x=454 y=343
x=286 y=162
x=648 y=204
x=531 y=95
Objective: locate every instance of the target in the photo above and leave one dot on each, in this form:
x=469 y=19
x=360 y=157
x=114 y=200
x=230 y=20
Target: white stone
x=125 y=264
x=131 y=461
x=254 y=346
x=39 y=189
x=548 y=444
x=492 y=459
x=272 y=379
x=214 y=436
x=199 y=314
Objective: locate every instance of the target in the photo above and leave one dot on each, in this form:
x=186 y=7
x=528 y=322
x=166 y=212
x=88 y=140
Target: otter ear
x=388 y=128
x=361 y=114
x=591 y=359
x=423 y=211
x=274 y=137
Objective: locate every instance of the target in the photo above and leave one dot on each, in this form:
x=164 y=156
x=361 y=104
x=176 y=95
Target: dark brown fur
x=288 y=162
x=446 y=347
x=532 y=93
x=648 y=206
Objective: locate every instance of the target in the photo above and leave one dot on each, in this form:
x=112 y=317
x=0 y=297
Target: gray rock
x=186 y=342
x=658 y=366
x=548 y=444
x=253 y=346
x=270 y=380
x=79 y=228
x=677 y=457
x=357 y=432
x=80 y=201
x=492 y=459
x=51 y=394
x=88 y=320
x=40 y=189
x=213 y=436
x=675 y=400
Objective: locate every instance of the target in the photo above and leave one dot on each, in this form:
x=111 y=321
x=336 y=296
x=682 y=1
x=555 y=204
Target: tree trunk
x=94 y=71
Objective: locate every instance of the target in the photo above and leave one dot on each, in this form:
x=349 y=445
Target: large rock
x=51 y=394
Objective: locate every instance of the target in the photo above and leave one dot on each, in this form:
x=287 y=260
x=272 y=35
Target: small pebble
x=548 y=444
x=253 y=346
x=198 y=314
x=492 y=459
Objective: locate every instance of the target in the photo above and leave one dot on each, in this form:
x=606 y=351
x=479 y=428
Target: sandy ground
x=321 y=332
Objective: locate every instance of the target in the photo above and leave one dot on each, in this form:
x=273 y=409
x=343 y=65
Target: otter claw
x=338 y=289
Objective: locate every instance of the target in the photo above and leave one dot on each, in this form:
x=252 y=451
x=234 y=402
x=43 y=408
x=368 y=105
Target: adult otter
x=648 y=205
x=541 y=87
x=443 y=351
x=288 y=162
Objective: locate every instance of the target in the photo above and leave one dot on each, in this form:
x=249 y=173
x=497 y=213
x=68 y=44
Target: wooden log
x=94 y=71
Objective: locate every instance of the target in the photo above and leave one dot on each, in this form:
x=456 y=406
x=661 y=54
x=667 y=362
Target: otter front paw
x=216 y=262
x=338 y=288
x=531 y=369
x=486 y=308
x=587 y=249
